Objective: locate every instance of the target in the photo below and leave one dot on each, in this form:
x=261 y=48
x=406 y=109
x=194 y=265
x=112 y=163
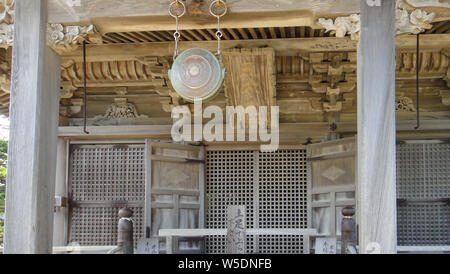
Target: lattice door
x=177 y=192
x=273 y=187
x=102 y=179
x=423 y=189
x=333 y=183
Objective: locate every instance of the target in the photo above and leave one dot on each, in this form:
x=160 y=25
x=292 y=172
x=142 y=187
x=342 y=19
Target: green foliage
x=2 y=211
x=3 y=172
x=3 y=160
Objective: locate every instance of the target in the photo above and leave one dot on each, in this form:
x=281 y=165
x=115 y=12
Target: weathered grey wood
x=289 y=132
x=376 y=129
x=60 y=222
x=148 y=15
x=223 y=232
x=307 y=241
x=148 y=246
x=176 y=192
x=148 y=189
x=236 y=229
x=169 y=245
x=33 y=133
x=332 y=172
x=202 y=194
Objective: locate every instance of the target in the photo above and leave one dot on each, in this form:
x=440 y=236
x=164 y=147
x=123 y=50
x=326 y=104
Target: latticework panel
x=273 y=186
x=423 y=177
x=229 y=181
x=282 y=198
x=97 y=226
x=104 y=178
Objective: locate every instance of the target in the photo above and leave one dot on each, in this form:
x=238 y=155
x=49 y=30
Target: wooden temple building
x=363 y=90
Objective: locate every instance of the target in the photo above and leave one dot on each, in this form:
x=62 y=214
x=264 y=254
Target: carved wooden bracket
x=67 y=90
x=408 y=20
x=5 y=71
x=68 y=38
x=159 y=69
x=332 y=74
x=70 y=107
x=6 y=23
x=342 y=26
x=60 y=38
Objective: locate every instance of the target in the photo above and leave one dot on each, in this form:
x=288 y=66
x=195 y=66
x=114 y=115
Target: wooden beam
x=98 y=132
x=282 y=47
x=289 y=131
x=35 y=82
x=232 y=20
x=376 y=130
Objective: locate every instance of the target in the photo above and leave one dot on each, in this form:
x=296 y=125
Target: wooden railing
x=79 y=249
x=169 y=234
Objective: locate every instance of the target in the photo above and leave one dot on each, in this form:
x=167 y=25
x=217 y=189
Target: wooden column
x=376 y=129
x=61 y=216
x=33 y=133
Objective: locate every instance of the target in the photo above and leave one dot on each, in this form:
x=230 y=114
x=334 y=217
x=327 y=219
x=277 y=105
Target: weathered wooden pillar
x=33 y=133
x=376 y=128
x=60 y=227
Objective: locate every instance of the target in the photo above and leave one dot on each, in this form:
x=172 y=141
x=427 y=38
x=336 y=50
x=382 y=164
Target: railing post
x=348 y=231
x=125 y=237
x=125 y=243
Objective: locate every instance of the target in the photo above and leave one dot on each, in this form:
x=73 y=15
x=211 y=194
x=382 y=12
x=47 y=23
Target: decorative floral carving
x=5 y=72
x=67 y=38
x=121 y=109
x=342 y=26
x=6 y=23
x=404 y=104
x=415 y=22
x=408 y=20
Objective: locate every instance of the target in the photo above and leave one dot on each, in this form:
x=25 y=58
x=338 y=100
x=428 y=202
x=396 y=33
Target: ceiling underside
x=209 y=34
x=235 y=34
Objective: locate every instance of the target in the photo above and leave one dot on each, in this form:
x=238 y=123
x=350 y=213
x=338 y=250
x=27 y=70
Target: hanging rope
x=417 y=82
x=84 y=89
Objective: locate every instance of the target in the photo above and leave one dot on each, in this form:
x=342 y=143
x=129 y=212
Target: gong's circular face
x=197 y=74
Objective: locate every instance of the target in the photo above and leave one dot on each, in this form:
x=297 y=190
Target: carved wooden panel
x=251 y=77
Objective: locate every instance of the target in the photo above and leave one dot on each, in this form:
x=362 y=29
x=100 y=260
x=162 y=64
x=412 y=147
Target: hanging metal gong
x=197 y=74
